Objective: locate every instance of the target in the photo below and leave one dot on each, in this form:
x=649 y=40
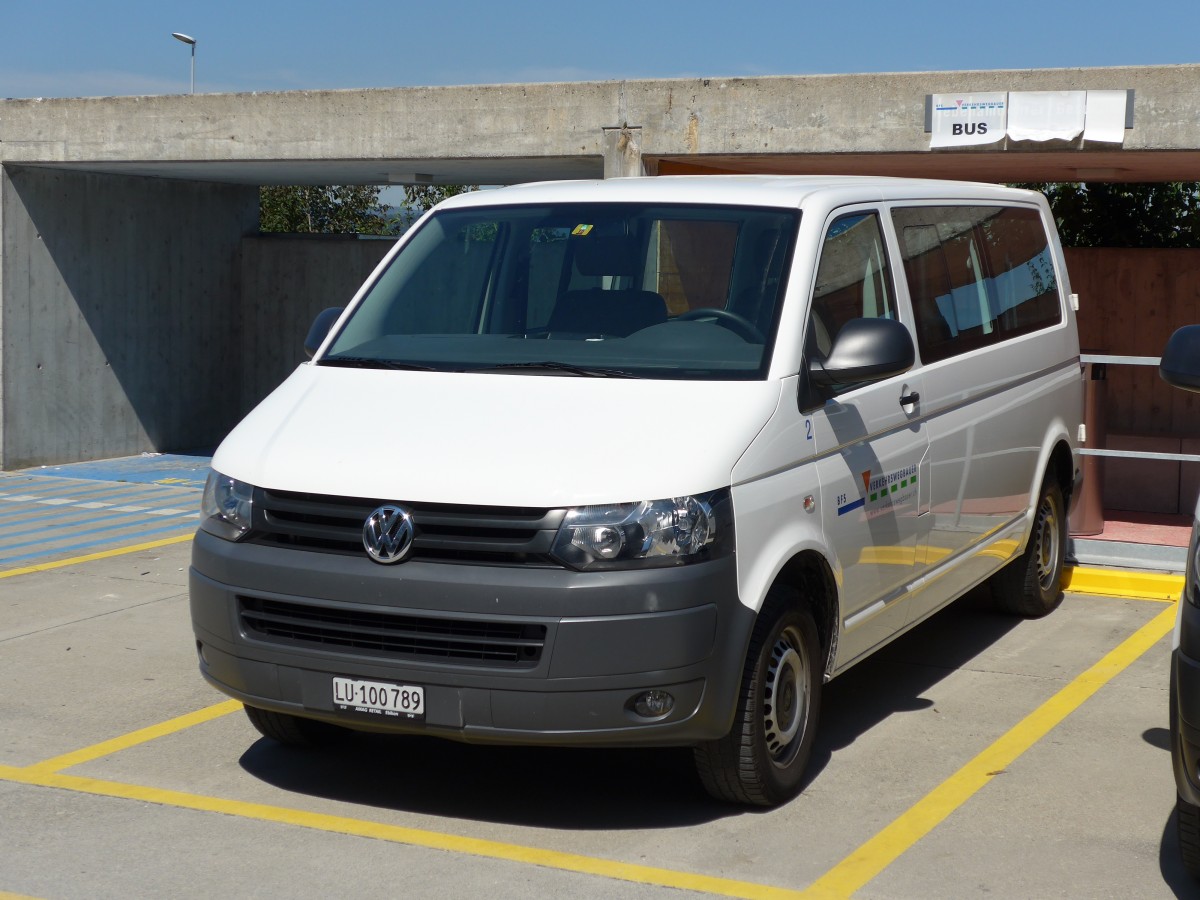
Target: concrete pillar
x=120 y=303
x=623 y=151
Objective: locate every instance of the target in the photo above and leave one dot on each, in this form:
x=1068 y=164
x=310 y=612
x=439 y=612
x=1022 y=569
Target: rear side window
x=977 y=275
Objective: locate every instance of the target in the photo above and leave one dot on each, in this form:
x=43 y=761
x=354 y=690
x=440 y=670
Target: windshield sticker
x=881 y=492
x=581 y=230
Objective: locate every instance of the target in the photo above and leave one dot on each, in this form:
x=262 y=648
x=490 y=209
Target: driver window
x=853 y=279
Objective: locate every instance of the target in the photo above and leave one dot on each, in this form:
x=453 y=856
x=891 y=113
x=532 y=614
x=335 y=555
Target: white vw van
x=646 y=462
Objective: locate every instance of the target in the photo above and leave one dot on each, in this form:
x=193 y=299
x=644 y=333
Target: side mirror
x=320 y=328
x=865 y=350
x=1180 y=364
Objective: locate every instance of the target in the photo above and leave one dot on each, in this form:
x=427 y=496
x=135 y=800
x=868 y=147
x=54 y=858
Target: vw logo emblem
x=388 y=534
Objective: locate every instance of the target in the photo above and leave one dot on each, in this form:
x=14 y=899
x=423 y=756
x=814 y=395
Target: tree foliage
x=334 y=209
x=425 y=197
x=346 y=209
x=420 y=198
x=1125 y=215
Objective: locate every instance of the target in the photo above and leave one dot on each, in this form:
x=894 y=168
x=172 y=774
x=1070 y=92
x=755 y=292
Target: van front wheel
x=1031 y=585
x=762 y=759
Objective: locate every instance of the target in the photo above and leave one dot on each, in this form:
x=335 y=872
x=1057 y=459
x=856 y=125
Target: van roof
x=790 y=191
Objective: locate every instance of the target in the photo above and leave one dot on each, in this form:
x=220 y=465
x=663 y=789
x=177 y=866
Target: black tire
x=293 y=731
x=761 y=761
x=1187 y=827
x=1031 y=585
x=1187 y=815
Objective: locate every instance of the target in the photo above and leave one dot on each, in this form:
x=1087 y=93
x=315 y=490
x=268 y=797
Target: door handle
x=909 y=399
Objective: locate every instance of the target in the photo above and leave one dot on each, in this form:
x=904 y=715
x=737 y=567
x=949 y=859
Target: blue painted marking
x=57 y=487
x=75 y=548
x=115 y=492
x=87 y=517
x=42 y=530
x=51 y=515
x=20 y=513
x=16 y=514
x=175 y=469
x=180 y=525
x=851 y=507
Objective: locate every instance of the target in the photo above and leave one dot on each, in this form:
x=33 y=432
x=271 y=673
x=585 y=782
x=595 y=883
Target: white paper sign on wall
x=962 y=120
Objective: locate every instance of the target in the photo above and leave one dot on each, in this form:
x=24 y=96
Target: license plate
x=379 y=698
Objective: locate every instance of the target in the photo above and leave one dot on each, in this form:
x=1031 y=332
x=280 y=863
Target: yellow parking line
x=865 y=863
x=569 y=862
x=92 y=557
x=48 y=773
x=1122 y=583
x=96 y=751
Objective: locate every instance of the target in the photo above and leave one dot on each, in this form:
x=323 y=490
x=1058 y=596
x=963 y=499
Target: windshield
x=583 y=289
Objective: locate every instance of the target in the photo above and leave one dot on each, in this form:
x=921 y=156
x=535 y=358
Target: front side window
x=667 y=291
x=977 y=275
x=853 y=279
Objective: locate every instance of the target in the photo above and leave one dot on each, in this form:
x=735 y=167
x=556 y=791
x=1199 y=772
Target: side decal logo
x=881 y=492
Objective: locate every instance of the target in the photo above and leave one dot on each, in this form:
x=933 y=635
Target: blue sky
x=71 y=48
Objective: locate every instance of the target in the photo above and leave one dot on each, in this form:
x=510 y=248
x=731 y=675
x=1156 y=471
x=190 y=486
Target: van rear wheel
x=293 y=731
x=1031 y=585
x=762 y=760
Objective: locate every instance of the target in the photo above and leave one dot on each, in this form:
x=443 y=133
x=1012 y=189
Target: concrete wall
x=119 y=299
x=286 y=280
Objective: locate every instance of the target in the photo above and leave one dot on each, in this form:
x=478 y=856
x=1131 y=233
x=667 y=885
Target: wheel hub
x=785 y=700
x=1048 y=544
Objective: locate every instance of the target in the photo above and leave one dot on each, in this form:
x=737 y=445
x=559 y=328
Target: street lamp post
x=191 y=42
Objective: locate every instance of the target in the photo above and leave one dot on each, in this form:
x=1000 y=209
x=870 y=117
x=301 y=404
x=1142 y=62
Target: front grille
x=393 y=635
x=443 y=532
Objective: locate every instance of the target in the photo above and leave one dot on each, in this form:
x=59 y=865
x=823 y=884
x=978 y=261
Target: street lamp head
x=191 y=42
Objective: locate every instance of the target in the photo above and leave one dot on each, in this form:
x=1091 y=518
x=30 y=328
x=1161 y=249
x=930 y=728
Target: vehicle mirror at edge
x=320 y=328
x=1180 y=364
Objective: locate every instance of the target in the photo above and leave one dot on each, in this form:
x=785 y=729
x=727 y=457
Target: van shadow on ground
x=568 y=788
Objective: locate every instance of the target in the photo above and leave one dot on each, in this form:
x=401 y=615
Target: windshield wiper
x=371 y=362
x=566 y=368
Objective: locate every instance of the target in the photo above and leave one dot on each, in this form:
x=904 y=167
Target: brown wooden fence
x=1130 y=303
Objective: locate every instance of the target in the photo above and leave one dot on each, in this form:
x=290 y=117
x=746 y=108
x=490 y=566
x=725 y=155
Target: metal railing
x=1105 y=359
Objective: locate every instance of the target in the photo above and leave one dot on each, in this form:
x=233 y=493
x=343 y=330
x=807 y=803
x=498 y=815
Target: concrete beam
x=520 y=132
x=382 y=130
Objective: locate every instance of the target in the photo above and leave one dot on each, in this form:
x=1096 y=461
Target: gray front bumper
x=609 y=636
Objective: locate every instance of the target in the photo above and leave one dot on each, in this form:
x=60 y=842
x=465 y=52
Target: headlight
x=1191 y=584
x=226 y=507
x=666 y=532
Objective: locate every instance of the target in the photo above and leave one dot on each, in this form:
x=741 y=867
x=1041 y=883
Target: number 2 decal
x=808 y=429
